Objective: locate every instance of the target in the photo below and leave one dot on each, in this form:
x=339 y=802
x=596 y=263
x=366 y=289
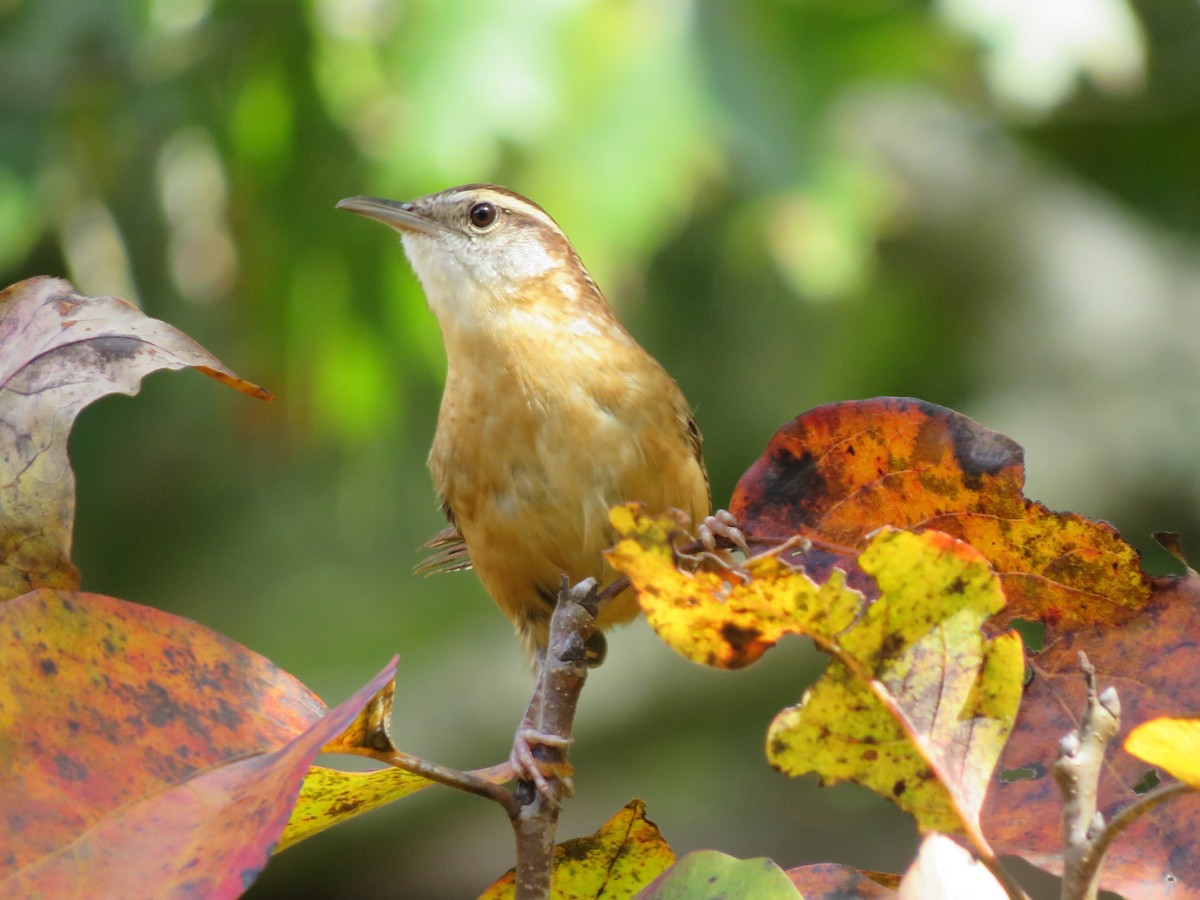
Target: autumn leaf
x=916 y=703
x=60 y=351
x=145 y=754
x=838 y=472
x=620 y=859
x=1171 y=744
x=331 y=796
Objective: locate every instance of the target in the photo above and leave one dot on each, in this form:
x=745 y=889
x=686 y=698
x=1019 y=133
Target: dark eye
x=483 y=214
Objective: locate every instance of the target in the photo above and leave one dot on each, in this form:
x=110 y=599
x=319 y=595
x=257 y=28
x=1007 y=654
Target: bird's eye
x=483 y=214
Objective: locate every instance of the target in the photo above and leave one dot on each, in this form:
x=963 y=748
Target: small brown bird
x=552 y=412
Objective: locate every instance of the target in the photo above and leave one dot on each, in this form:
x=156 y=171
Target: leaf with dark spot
x=112 y=801
x=839 y=472
x=916 y=702
x=626 y=854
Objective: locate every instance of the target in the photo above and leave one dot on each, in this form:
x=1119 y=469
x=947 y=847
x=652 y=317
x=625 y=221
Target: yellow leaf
x=1171 y=744
x=620 y=859
x=916 y=703
x=330 y=796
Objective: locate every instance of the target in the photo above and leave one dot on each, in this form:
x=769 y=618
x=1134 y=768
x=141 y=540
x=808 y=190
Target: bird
x=552 y=412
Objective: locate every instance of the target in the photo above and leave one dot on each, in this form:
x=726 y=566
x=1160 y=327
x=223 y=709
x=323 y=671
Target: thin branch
x=463 y=781
x=560 y=679
x=1130 y=814
x=1077 y=770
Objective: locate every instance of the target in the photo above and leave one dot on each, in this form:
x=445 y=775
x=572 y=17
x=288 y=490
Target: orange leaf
x=60 y=351
x=143 y=752
x=838 y=472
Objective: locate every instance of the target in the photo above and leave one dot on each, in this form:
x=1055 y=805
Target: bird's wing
x=697 y=443
x=448 y=553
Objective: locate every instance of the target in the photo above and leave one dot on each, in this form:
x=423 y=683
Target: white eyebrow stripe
x=506 y=200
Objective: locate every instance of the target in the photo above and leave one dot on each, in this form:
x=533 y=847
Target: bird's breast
x=536 y=441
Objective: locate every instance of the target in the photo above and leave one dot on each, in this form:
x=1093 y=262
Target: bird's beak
x=396 y=215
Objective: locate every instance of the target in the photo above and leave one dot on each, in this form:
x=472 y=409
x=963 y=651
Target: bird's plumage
x=552 y=413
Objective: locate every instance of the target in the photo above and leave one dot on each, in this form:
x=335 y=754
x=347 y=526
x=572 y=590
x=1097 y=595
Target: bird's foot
x=538 y=772
x=721 y=524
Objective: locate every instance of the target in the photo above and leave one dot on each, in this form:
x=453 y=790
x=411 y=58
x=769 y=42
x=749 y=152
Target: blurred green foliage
x=991 y=206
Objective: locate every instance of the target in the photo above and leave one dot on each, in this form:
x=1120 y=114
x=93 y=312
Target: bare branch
x=551 y=717
x=1081 y=756
x=463 y=781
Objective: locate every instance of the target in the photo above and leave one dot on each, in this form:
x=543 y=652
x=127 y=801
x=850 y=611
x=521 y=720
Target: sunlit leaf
x=1170 y=744
x=837 y=473
x=916 y=703
x=620 y=859
x=840 y=471
x=329 y=796
x=60 y=351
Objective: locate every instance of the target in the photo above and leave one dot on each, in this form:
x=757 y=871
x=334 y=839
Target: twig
x=1077 y=770
x=560 y=679
x=1131 y=813
x=463 y=781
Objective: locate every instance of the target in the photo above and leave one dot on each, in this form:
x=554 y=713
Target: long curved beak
x=392 y=213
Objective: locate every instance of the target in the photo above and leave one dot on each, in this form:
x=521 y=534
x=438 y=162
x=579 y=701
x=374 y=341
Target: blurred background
x=990 y=205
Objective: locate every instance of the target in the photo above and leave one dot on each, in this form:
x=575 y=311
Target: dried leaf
x=916 y=703
x=620 y=859
x=60 y=351
x=924 y=691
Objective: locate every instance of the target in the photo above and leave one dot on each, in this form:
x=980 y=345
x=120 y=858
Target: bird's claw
x=540 y=773
x=721 y=524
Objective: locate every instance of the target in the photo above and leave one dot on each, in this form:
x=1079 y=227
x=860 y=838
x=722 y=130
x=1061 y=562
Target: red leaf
x=147 y=755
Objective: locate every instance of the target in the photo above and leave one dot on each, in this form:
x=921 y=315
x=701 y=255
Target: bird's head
x=478 y=247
